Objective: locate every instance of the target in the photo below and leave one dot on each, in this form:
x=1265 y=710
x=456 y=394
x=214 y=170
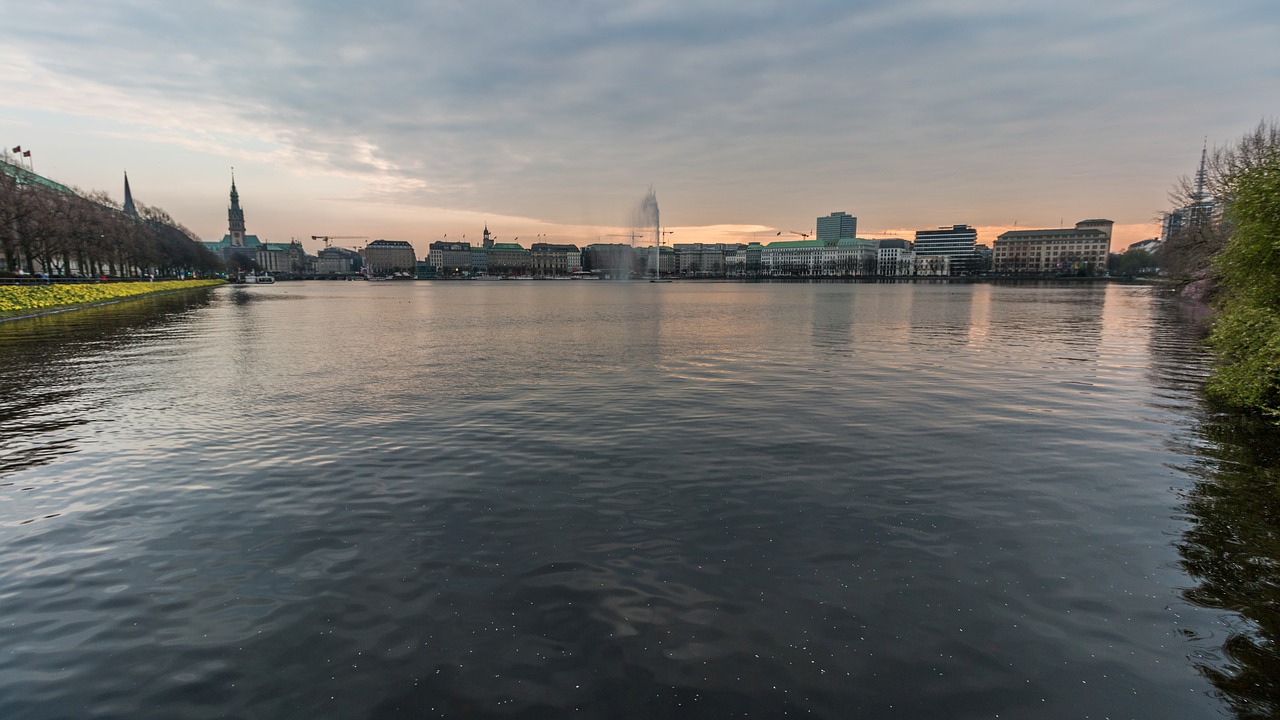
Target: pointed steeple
x=1203 y=205
x=129 y=208
x=1201 y=175
x=235 y=215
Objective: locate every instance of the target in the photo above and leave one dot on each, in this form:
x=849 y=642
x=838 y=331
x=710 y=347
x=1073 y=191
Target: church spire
x=235 y=215
x=129 y=208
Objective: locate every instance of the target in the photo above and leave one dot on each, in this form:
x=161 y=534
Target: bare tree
x=1201 y=198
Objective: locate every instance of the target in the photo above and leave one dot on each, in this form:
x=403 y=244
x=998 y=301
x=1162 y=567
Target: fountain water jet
x=648 y=218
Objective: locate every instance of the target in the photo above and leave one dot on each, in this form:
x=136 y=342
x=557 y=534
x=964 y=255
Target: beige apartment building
x=1082 y=249
x=383 y=257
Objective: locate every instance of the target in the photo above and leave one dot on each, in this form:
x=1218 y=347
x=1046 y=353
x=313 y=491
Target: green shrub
x=1246 y=334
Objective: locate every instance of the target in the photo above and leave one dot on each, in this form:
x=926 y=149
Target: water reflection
x=43 y=374
x=1230 y=546
x=1232 y=550
x=833 y=313
x=944 y=320
x=618 y=500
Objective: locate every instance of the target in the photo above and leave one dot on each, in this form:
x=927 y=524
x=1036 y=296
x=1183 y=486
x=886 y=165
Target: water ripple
x=606 y=500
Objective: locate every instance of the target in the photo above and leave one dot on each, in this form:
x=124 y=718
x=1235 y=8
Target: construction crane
x=793 y=232
x=327 y=238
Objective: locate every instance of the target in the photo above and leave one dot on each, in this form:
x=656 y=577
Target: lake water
x=627 y=500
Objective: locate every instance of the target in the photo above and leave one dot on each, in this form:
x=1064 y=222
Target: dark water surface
x=603 y=500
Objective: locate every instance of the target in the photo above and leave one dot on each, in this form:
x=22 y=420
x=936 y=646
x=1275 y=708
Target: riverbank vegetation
x=18 y=300
x=1246 y=333
x=49 y=229
x=1229 y=245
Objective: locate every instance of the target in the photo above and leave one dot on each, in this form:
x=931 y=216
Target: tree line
x=1188 y=254
x=72 y=232
x=1231 y=243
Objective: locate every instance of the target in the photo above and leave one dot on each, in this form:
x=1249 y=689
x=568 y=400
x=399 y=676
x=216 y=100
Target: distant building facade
x=552 y=259
x=282 y=258
x=479 y=260
x=238 y=248
x=385 y=257
x=703 y=259
x=609 y=260
x=895 y=258
x=338 y=261
x=508 y=258
x=450 y=258
x=236 y=242
x=932 y=265
x=645 y=260
x=956 y=242
x=846 y=257
x=837 y=226
x=1083 y=249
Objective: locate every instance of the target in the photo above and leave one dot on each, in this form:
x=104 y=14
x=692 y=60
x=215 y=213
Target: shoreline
x=33 y=312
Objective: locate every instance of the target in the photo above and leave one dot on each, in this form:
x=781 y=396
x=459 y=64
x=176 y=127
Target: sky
x=552 y=120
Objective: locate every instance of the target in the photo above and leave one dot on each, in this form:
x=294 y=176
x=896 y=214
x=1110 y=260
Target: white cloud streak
x=919 y=113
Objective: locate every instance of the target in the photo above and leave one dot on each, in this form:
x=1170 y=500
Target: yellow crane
x=328 y=238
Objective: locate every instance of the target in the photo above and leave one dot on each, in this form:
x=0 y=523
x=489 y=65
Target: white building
x=894 y=258
x=932 y=265
x=847 y=257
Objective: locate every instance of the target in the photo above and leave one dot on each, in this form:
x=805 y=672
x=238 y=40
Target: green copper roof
x=794 y=244
x=26 y=177
x=225 y=242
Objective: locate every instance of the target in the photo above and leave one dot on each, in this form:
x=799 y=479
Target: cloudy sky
x=413 y=120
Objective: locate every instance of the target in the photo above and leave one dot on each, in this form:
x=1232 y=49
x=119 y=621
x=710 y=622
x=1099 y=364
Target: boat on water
x=253 y=279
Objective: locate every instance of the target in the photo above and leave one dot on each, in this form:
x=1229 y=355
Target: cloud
x=738 y=112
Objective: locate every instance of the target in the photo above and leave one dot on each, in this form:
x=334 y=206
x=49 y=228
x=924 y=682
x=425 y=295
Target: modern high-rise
x=956 y=242
x=836 y=226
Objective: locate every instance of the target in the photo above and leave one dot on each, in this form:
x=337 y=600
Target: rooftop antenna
x=1201 y=174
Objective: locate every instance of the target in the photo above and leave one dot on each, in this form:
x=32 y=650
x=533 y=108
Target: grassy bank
x=22 y=300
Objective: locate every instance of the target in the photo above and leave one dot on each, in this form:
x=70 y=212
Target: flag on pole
x=26 y=154
x=18 y=149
